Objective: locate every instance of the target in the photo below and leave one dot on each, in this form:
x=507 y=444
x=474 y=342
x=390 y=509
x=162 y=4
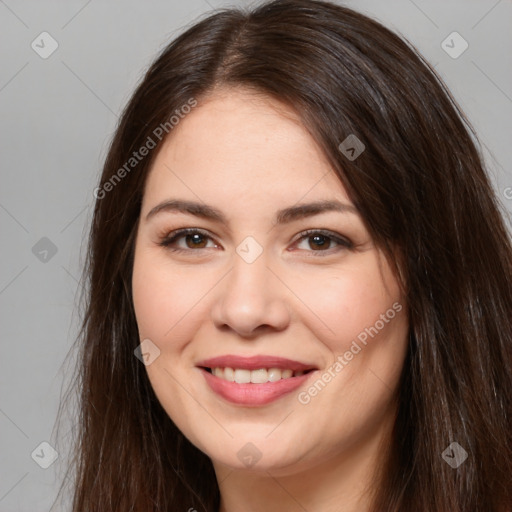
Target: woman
x=299 y=282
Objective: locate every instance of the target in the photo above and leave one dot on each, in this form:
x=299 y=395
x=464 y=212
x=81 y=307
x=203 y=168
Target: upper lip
x=254 y=363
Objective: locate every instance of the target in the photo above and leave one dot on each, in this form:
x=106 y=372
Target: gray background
x=57 y=116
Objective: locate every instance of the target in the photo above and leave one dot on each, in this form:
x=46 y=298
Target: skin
x=249 y=156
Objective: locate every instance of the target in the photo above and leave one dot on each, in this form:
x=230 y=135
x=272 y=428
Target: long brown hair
x=421 y=188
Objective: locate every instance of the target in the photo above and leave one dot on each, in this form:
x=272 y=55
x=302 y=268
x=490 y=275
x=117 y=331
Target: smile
x=259 y=376
x=254 y=381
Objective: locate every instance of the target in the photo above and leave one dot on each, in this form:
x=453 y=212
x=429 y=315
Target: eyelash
x=175 y=235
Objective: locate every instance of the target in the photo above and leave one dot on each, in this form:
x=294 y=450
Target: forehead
x=236 y=145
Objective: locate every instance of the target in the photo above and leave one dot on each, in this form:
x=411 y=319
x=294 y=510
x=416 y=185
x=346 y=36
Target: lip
x=250 y=394
x=254 y=363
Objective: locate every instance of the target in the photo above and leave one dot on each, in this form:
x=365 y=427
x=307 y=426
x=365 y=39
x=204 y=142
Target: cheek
x=347 y=301
x=166 y=299
x=152 y=295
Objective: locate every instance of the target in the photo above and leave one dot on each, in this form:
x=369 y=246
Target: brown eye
x=194 y=239
x=321 y=241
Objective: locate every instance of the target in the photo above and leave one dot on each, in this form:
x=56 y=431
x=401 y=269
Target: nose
x=251 y=300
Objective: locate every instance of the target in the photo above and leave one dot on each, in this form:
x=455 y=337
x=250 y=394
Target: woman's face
x=251 y=284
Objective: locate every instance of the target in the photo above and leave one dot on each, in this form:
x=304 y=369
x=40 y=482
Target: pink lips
x=253 y=394
x=254 y=363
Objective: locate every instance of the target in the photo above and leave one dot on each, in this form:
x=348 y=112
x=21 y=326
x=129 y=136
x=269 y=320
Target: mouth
x=256 y=380
x=258 y=376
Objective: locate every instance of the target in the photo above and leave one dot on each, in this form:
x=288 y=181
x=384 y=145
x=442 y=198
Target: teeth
x=286 y=374
x=274 y=374
x=242 y=376
x=229 y=374
x=259 y=376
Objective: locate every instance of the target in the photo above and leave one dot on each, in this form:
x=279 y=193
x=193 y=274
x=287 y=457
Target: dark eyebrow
x=283 y=216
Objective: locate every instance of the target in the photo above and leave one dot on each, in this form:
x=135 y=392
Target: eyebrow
x=284 y=216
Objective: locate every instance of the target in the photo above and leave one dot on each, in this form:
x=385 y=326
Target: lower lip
x=253 y=394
